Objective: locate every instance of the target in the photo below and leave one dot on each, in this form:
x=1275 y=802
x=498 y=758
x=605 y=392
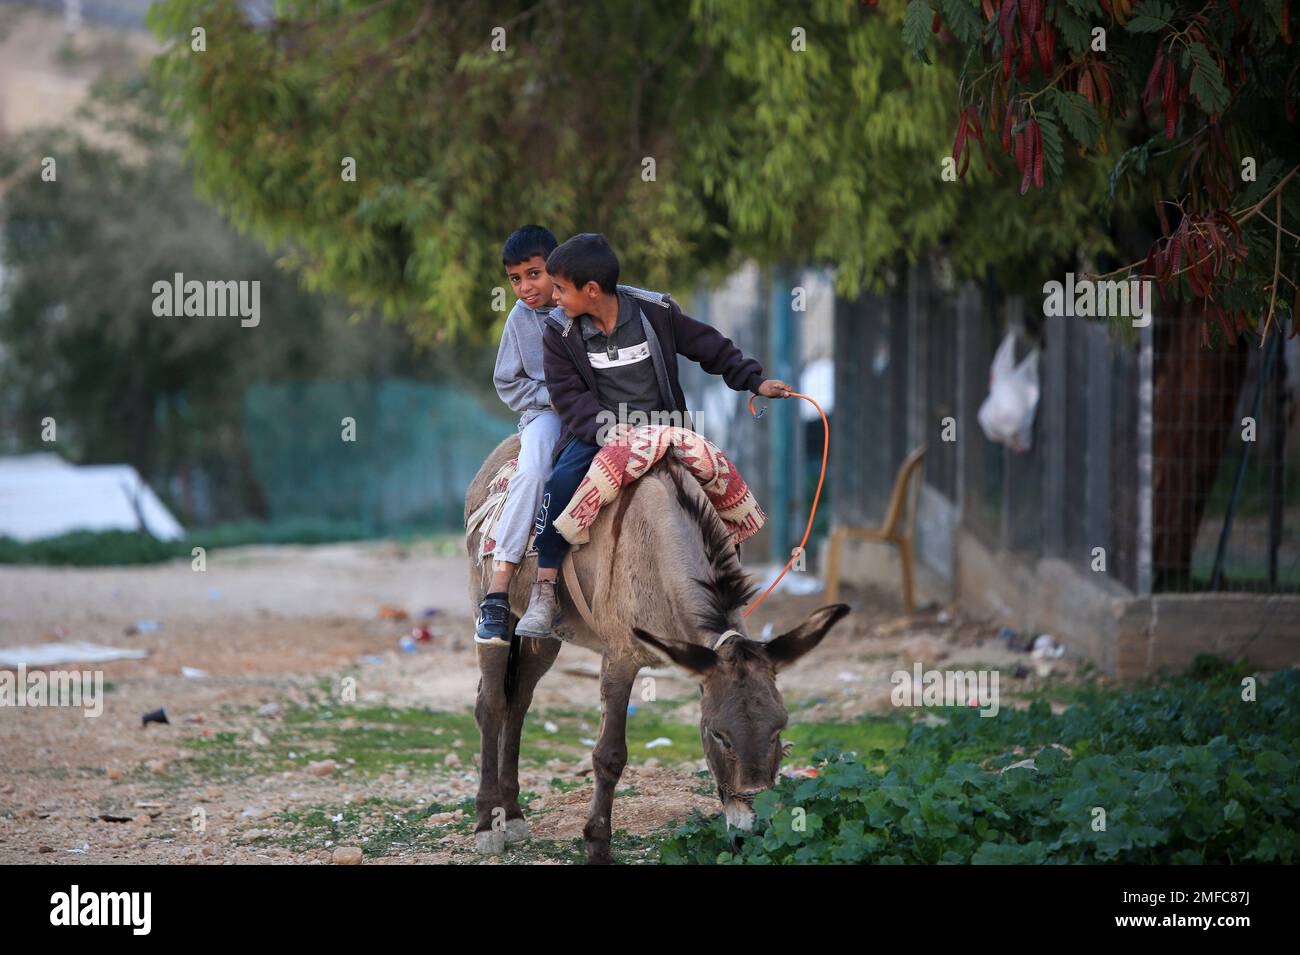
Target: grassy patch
x=859 y=736
x=381 y=827
x=369 y=741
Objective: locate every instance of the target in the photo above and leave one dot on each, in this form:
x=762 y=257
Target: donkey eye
x=720 y=739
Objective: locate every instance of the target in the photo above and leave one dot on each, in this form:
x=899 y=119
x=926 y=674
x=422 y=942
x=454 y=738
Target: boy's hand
x=774 y=388
x=617 y=433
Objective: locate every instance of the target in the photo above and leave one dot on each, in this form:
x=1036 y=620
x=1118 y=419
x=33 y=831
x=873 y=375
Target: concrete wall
x=1165 y=632
x=1127 y=636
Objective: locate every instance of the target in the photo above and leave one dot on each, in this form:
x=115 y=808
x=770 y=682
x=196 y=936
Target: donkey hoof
x=490 y=842
x=517 y=831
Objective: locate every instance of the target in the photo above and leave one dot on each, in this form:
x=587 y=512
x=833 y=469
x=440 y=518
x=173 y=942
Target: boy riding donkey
x=622 y=359
x=520 y=382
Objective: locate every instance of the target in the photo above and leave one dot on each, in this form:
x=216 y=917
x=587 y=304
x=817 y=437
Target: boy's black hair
x=587 y=257
x=527 y=241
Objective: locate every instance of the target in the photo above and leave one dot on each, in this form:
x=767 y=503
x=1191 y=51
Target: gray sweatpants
x=536 y=448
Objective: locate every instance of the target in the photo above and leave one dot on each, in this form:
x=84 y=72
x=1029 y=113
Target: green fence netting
x=407 y=462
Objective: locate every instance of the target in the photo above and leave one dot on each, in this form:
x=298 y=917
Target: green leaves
x=1078 y=115
x=1206 y=80
x=916 y=28
x=1184 y=773
x=1052 y=148
x=1152 y=17
x=1076 y=30
x=962 y=19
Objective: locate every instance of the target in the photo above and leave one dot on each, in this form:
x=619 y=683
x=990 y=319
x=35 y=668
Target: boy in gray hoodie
x=521 y=384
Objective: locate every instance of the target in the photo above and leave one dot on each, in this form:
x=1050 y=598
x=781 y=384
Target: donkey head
x=741 y=711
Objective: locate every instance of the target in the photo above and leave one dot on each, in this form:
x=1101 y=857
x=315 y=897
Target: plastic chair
x=898 y=528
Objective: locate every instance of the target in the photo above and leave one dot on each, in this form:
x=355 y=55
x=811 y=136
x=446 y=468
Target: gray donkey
x=663 y=579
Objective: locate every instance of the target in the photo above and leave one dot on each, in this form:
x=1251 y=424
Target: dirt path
x=264 y=759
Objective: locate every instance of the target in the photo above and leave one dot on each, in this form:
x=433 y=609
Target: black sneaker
x=493 y=624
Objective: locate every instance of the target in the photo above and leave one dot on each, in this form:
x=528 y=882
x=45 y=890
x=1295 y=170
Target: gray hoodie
x=518 y=375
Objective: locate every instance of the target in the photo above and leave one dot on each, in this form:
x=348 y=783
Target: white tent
x=41 y=495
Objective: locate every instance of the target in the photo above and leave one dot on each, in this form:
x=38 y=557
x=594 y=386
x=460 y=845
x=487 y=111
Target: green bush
x=90 y=548
x=107 y=548
x=1186 y=772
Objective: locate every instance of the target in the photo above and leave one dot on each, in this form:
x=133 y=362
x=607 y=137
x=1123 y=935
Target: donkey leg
x=610 y=754
x=536 y=658
x=490 y=714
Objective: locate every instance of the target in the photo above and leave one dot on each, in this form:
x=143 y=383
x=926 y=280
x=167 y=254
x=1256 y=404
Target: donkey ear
x=790 y=646
x=699 y=660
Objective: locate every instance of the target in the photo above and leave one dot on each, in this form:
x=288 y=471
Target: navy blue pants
x=565 y=477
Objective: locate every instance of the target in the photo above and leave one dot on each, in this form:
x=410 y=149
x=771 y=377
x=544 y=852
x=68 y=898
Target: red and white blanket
x=488 y=514
x=617 y=464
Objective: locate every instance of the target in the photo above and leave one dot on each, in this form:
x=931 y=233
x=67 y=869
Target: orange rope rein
x=826 y=445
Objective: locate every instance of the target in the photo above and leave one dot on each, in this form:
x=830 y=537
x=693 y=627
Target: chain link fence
x=1164 y=464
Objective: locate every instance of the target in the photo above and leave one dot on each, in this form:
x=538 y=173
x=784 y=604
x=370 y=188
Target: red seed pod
x=1103 y=82
x=1041 y=43
x=1085 y=86
x=1173 y=258
x=960 y=141
x=1153 y=78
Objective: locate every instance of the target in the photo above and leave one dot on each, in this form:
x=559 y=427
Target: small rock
x=346 y=855
x=44 y=848
x=451 y=759
x=113 y=773
x=259 y=738
x=442 y=818
x=158 y=767
x=356 y=799
x=270 y=709
x=144 y=819
x=322 y=767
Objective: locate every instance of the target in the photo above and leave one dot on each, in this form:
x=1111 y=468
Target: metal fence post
x=1146 y=399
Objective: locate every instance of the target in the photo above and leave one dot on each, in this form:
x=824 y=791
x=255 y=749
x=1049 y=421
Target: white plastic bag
x=1007 y=414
